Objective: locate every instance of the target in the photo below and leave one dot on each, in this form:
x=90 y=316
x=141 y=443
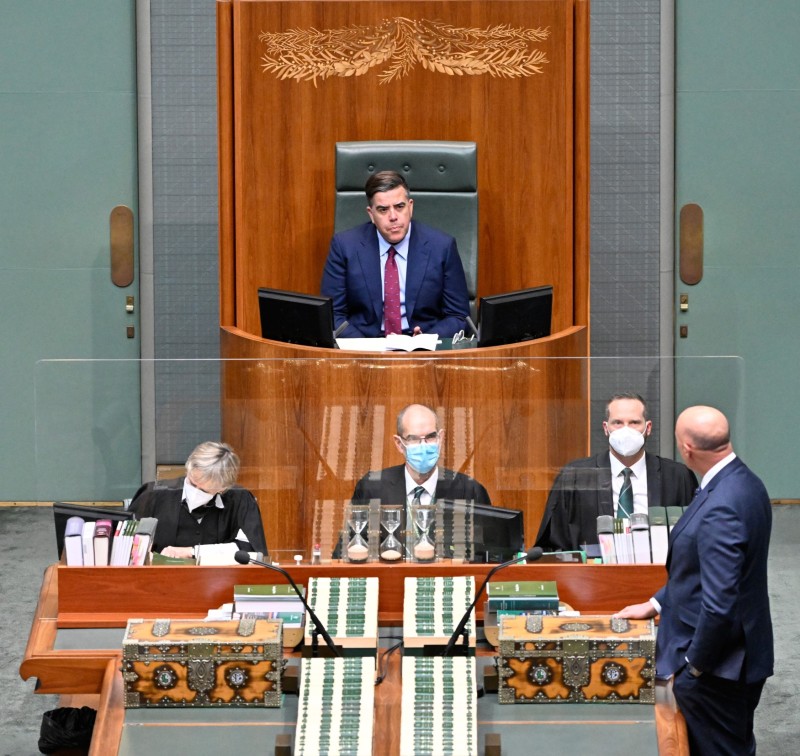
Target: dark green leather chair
x=442 y=177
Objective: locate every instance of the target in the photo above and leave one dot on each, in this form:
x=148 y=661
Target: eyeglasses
x=431 y=438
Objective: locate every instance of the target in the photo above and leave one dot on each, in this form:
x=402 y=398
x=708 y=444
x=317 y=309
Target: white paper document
x=394 y=342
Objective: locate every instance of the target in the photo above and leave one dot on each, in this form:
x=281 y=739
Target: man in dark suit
x=715 y=634
x=587 y=488
x=389 y=276
x=419 y=440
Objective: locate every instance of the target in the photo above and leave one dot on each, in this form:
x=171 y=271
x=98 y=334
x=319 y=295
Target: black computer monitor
x=496 y=534
x=516 y=316
x=62 y=511
x=296 y=318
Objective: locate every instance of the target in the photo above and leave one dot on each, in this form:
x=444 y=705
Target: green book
x=522 y=602
x=517 y=612
x=542 y=588
x=265 y=591
x=156 y=558
x=673 y=515
x=657 y=516
x=290 y=619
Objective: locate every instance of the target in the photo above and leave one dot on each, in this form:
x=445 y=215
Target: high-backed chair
x=442 y=178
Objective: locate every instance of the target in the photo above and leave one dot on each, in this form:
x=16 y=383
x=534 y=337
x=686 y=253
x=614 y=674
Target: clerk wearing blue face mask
x=419 y=439
x=616 y=482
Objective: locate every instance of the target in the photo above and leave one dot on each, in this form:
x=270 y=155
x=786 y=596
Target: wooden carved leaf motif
x=399 y=44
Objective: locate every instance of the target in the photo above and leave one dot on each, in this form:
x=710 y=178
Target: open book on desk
x=394 y=342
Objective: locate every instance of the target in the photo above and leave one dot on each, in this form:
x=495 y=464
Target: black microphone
x=533 y=553
x=242 y=557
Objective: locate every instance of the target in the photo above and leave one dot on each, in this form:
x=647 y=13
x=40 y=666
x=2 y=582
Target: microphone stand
x=533 y=553
x=242 y=557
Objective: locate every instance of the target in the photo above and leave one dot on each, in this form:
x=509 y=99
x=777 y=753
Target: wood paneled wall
x=511 y=424
x=278 y=135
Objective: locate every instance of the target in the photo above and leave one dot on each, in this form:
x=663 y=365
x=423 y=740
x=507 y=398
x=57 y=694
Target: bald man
x=715 y=633
x=422 y=479
x=419 y=440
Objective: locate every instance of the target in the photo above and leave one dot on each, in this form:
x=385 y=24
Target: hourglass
x=424 y=549
x=391 y=549
x=357 y=548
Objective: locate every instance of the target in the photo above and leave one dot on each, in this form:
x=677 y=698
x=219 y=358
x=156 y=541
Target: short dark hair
x=629 y=395
x=383 y=181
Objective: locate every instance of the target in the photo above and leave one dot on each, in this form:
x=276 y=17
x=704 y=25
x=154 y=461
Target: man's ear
x=648 y=428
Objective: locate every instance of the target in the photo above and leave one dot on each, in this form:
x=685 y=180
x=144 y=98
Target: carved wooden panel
x=296 y=77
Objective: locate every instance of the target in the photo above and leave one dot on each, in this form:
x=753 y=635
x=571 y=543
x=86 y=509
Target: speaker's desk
x=74 y=646
x=309 y=422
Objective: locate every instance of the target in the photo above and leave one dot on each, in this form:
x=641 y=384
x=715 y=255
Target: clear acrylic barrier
x=308 y=429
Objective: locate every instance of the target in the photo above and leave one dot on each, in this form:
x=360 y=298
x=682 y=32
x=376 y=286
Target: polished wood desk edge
x=505 y=350
x=78 y=592
x=122 y=592
x=670 y=724
x=110 y=713
x=43 y=630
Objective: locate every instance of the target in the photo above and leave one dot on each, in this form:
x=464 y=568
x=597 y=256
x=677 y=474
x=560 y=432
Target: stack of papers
x=394 y=342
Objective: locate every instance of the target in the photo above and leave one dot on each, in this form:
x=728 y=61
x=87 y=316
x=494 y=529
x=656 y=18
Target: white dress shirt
x=638 y=483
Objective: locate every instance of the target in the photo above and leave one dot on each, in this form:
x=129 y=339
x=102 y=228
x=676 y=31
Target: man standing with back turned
x=392 y=276
x=715 y=634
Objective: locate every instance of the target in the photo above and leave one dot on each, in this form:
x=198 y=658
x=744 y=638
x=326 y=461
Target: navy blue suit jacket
x=436 y=289
x=715 y=606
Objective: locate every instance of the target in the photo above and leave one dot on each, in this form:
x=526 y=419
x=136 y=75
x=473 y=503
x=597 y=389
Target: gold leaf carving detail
x=399 y=44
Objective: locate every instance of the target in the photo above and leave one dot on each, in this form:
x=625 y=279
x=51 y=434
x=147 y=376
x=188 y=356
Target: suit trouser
x=718 y=712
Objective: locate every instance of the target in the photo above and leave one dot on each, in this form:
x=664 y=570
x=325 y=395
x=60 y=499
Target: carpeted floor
x=27 y=546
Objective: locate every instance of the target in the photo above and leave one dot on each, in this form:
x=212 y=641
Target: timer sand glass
x=357 y=548
x=424 y=549
x=391 y=549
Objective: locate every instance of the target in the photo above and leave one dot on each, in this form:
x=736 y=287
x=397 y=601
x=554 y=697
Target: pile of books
x=643 y=539
x=524 y=597
x=514 y=598
x=89 y=543
x=270 y=602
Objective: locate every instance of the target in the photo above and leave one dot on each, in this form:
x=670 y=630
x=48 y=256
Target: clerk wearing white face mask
x=205 y=507
x=419 y=440
x=623 y=480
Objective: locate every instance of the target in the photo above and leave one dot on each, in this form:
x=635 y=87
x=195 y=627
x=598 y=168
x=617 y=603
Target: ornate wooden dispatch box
x=183 y=663
x=548 y=659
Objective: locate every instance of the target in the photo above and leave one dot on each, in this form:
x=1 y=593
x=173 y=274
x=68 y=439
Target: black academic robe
x=582 y=491
x=163 y=500
x=389 y=486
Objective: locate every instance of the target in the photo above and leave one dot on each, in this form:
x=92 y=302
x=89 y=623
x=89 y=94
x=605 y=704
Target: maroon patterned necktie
x=391 y=295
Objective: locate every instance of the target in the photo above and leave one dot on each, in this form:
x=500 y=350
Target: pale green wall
x=67 y=156
x=738 y=157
